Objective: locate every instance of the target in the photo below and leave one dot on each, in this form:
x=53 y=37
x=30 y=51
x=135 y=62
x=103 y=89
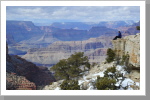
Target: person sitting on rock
x=119 y=35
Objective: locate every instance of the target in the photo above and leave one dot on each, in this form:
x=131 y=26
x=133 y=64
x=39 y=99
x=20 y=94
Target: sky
x=47 y=14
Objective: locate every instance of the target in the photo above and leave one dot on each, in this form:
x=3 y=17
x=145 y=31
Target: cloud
x=73 y=13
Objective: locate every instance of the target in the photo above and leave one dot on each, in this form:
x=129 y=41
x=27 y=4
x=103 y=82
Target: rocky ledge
x=129 y=45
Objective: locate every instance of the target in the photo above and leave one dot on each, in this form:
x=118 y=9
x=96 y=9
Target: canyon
x=94 y=48
x=32 y=49
x=46 y=45
x=130 y=81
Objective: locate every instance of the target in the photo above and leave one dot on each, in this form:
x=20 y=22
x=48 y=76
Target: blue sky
x=47 y=14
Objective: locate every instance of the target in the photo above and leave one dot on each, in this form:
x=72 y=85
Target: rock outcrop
x=14 y=82
x=128 y=45
x=134 y=75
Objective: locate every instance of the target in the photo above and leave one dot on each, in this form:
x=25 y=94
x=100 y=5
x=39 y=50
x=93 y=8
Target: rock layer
x=94 y=48
x=14 y=82
x=129 y=45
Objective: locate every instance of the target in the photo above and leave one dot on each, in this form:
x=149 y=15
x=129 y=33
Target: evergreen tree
x=61 y=69
x=138 y=27
x=110 y=72
x=105 y=83
x=73 y=67
x=110 y=55
x=70 y=85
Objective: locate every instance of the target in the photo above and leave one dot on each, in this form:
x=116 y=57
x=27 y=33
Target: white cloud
x=78 y=13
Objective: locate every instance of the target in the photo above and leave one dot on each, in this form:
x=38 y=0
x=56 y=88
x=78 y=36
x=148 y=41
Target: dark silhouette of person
x=119 y=35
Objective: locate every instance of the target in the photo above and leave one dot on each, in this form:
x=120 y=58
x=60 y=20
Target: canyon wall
x=21 y=74
x=94 y=48
x=21 y=30
x=128 y=45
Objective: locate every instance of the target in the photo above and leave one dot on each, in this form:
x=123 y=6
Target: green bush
x=125 y=59
x=110 y=55
x=138 y=27
x=70 y=85
x=51 y=83
x=93 y=64
x=128 y=68
x=108 y=81
x=105 y=83
x=111 y=70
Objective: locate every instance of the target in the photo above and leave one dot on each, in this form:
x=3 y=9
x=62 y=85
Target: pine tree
x=73 y=67
x=110 y=55
x=70 y=85
x=138 y=27
x=105 y=83
x=61 y=69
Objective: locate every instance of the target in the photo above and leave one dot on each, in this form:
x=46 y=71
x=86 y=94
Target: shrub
x=110 y=55
x=93 y=64
x=125 y=59
x=110 y=72
x=108 y=81
x=70 y=85
x=128 y=68
x=105 y=83
x=138 y=27
x=51 y=83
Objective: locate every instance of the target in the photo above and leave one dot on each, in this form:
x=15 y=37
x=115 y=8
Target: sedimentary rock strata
x=128 y=45
x=94 y=48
